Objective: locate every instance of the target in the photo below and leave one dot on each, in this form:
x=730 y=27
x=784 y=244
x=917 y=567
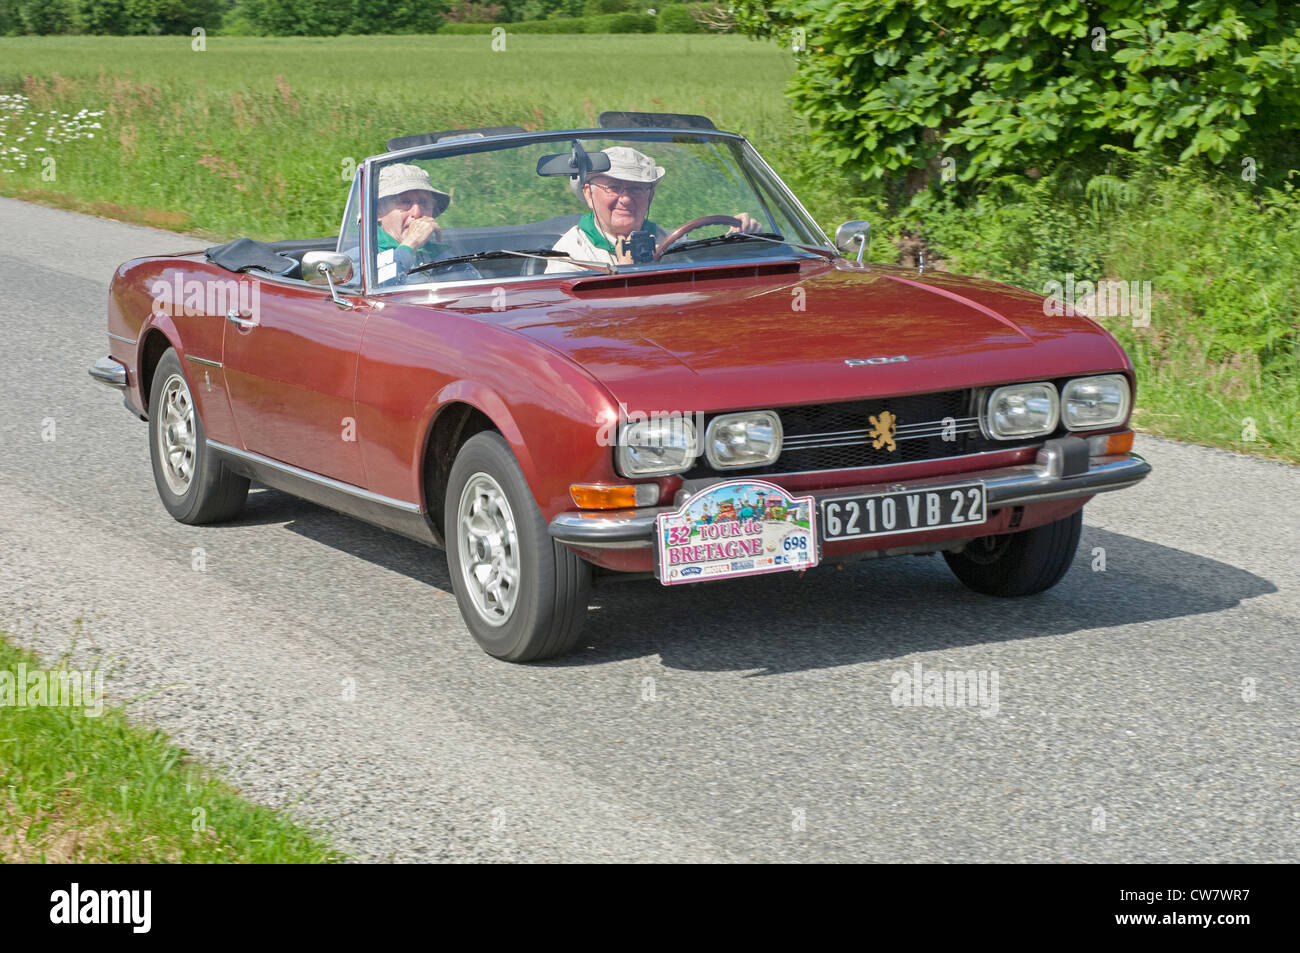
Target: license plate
x=903 y=511
x=738 y=528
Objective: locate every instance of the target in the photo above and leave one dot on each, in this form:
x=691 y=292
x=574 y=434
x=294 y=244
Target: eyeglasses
x=405 y=200
x=624 y=188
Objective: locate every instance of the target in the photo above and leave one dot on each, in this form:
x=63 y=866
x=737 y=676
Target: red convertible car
x=502 y=354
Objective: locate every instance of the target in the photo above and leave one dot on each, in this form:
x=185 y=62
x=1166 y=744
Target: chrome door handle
x=246 y=323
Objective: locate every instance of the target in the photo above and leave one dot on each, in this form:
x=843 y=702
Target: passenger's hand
x=418 y=231
x=748 y=225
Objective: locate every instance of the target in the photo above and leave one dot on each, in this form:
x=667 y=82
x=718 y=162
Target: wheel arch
x=460 y=411
x=153 y=345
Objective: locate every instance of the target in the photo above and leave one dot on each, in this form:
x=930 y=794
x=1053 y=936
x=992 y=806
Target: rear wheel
x=523 y=596
x=1019 y=564
x=193 y=484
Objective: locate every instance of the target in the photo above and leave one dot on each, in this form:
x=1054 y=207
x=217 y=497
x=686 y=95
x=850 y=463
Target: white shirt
x=576 y=244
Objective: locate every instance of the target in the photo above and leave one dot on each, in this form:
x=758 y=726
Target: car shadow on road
x=876 y=610
x=380 y=547
x=866 y=611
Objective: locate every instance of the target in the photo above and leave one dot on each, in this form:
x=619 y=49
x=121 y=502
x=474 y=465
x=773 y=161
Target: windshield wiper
x=772 y=237
x=546 y=253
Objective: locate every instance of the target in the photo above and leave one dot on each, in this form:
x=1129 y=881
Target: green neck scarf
x=587 y=225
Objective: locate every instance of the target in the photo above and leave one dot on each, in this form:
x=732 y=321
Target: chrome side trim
x=118 y=337
x=110 y=371
x=358 y=502
x=202 y=360
x=1011 y=486
x=307 y=475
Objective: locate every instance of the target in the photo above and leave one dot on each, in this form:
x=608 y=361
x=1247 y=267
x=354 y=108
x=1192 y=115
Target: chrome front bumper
x=108 y=371
x=1061 y=470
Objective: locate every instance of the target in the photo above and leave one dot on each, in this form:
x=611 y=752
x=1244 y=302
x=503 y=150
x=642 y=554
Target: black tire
x=196 y=487
x=548 y=602
x=1019 y=564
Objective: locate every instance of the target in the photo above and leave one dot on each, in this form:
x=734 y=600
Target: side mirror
x=317 y=265
x=854 y=234
x=325 y=268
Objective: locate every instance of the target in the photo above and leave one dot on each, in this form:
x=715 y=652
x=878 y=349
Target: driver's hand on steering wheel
x=748 y=224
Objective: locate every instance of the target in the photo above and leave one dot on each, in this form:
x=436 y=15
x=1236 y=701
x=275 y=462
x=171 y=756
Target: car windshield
x=578 y=203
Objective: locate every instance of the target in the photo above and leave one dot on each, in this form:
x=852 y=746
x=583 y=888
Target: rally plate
x=737 y=528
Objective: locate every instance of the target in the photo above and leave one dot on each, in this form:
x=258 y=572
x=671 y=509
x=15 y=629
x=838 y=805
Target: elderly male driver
x=619 y=201
x=408 y=230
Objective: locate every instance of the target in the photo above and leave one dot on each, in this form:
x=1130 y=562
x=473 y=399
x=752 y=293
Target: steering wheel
x=692 y=225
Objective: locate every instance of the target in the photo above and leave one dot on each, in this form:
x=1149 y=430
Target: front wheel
x=523 y=596
x=193 y=484
x=1019 y=564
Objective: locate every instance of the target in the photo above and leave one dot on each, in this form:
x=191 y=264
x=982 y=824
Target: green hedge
x=607 y=23
x=620 y=23
x=679 y=18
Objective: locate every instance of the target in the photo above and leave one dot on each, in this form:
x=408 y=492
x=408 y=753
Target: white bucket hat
x=629 y=165
x=401 y=177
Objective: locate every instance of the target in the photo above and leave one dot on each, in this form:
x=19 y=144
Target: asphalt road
x=324 y=663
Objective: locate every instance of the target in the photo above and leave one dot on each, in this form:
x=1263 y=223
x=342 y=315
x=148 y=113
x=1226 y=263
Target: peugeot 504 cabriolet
x=502 y=354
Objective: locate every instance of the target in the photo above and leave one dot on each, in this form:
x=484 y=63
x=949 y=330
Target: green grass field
x=258 y=137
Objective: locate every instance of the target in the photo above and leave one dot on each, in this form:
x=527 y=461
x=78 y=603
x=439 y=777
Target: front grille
x=838 y=436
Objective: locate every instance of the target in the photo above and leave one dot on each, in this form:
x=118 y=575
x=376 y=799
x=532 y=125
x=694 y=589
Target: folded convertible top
x=244 y=253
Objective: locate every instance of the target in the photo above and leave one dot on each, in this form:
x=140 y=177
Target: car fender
x=488 y=402
x=416 y=360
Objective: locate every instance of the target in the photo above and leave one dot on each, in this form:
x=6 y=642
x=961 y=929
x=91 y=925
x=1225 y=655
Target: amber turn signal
x=1110 y=444
x=1119 y=443
x=593 y=497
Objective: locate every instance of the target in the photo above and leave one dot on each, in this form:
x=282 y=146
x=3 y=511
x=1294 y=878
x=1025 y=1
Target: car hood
x=772 y=334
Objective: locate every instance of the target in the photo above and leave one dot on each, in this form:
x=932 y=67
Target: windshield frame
x=467 y=145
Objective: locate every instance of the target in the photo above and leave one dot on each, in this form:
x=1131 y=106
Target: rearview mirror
x=853 y=235
x=572 y=163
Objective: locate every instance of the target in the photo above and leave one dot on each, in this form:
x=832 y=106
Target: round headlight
x=1091 y=402
x=1022 y=410
x=749 y=439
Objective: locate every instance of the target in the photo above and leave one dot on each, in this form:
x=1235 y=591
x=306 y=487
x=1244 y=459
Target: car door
x=291 y=369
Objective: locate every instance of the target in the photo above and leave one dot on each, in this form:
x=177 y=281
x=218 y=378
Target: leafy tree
x=893 y=87
x=331 y=17
x=42 y=16
x=396 y=16
x=678 y=18
x=299 y=17
x=127 y=17
x=465 y=11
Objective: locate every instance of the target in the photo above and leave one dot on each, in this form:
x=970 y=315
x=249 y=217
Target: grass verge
x=85 y=789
